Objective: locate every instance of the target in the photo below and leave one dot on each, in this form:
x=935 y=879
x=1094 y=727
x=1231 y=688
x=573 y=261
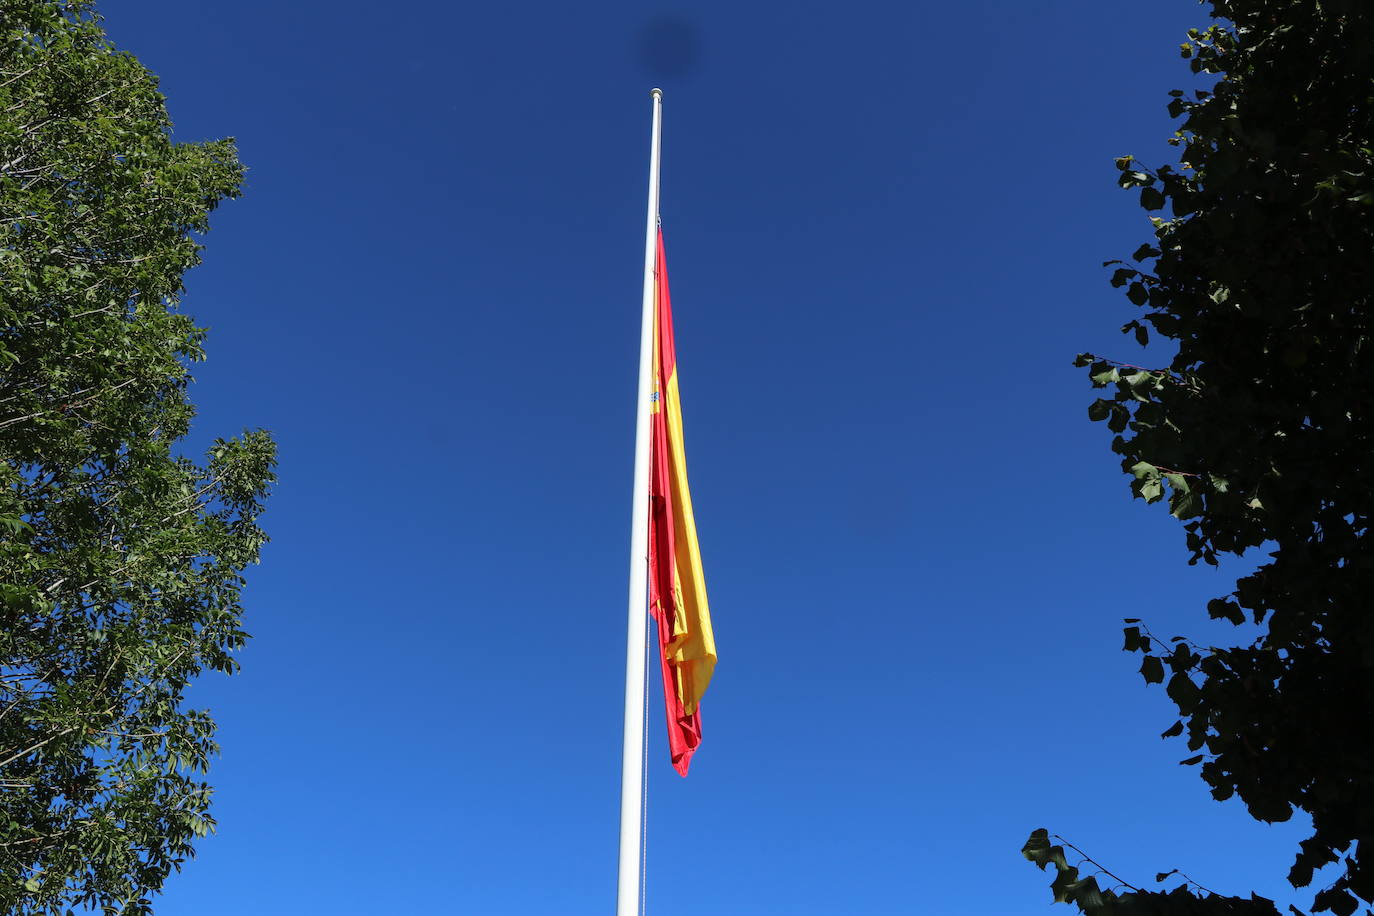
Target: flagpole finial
x=656 y=93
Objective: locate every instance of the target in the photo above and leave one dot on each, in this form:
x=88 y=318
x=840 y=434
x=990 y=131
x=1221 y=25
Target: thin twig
x=1100 y=867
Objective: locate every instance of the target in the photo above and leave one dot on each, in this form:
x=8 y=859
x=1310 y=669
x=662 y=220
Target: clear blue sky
x=885 y=224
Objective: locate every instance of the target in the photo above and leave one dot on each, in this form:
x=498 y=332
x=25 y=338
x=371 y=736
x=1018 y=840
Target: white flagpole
x=632 y=763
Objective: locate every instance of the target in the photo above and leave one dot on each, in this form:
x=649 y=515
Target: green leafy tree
x=121 y=561
x=1259 y=433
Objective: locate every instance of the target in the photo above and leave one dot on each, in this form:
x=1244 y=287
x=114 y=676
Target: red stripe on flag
x=684 y=731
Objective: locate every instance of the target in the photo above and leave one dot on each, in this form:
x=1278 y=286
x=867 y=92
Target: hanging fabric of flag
x=677 y=588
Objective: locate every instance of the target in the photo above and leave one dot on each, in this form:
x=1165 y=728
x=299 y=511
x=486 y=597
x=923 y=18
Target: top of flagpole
x=656 y=95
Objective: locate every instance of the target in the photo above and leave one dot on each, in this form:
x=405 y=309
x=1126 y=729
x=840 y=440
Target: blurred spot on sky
x=669 y=46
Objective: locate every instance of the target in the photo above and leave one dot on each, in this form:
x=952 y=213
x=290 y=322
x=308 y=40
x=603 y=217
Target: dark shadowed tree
x=1259 y=433
x=120 y=560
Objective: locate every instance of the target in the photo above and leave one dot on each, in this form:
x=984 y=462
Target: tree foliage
x=121 y=561
x=1124 y=899
x=1259 y=433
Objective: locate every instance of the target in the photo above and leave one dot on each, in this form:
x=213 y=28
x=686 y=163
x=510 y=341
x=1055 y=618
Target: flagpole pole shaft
x=632 y=762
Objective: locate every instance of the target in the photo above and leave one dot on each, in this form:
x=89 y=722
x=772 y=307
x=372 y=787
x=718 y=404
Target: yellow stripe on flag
x=692 y=649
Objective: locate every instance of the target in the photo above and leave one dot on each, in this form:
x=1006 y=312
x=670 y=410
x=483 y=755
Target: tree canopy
x=1259 y=433
x=121 y=560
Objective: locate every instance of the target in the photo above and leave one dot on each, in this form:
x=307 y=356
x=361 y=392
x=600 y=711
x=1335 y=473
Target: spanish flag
x=677 y=589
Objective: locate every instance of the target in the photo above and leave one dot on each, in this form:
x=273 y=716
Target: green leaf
x=1086 y=895
x=15 y=525
x=1183 y=692
x=1139 y=379
x=1134 y=640
x=1062 y=885
x=1222 y=609
x=1336 y=899
x=1269 y=809
x=1151 y=199
x=1037 y=848
x=1185 y=505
